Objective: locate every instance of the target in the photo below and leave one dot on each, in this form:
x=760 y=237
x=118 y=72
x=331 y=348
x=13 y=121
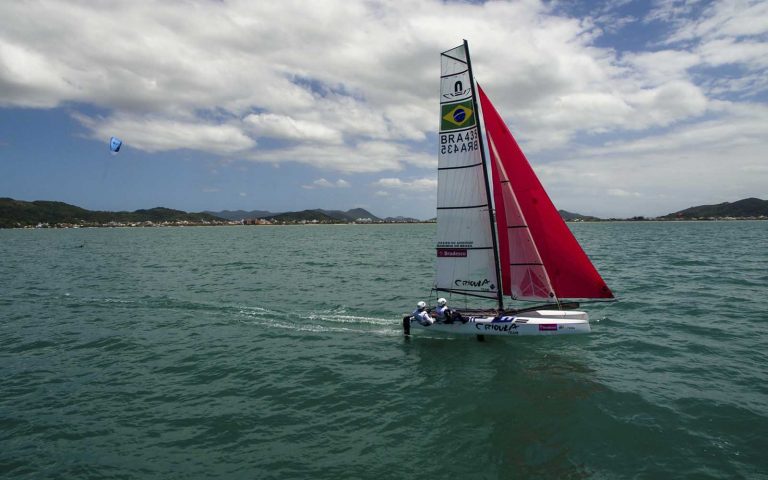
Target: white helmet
x=441 y=302
x=422 y=305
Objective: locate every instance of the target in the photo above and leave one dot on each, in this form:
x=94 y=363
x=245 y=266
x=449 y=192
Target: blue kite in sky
x=115 y=144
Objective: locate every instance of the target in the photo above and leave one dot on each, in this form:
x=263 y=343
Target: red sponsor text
x=451 y=252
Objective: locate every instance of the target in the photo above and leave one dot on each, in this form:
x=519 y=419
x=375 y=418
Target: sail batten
x=462 y=166
x=463 y=206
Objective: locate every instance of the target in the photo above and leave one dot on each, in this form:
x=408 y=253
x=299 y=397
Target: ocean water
x=277 y=352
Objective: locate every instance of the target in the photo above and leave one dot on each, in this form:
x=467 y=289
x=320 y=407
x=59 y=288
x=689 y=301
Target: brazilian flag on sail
x=455 y=116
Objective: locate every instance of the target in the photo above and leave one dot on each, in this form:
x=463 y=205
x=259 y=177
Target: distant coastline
x=49 y=214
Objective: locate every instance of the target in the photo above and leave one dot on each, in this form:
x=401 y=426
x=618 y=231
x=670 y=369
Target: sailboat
x=498 y=233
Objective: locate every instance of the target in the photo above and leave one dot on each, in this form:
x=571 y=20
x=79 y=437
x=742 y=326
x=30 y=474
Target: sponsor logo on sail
x=458 y=90
x=457 y=115
x=452 y=252
x=484 y=283
x=463 y=93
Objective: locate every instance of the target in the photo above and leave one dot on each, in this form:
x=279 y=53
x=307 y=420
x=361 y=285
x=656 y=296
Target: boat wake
x=320 y=321
x=333 y=320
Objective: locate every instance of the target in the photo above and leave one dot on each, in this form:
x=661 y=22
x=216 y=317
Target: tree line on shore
x=20 y=214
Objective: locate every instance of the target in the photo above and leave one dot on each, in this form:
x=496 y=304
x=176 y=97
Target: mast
x=500 y=297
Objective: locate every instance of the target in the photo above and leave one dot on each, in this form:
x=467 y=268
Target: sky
x=623 y=107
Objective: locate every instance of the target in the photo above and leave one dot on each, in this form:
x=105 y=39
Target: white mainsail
x=466 y=260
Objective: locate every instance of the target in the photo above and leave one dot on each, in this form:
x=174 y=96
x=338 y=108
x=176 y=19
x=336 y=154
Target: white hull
x=538 y=322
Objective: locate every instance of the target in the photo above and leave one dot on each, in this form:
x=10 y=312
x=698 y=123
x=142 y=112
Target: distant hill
x=18 y=213
x=570 y=216
x=350 y=215
x=323 y=216
x=305 y=216
x=748 y=207
x=242 y=214
x=400 y=219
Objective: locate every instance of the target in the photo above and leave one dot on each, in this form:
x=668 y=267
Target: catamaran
x=498 y=233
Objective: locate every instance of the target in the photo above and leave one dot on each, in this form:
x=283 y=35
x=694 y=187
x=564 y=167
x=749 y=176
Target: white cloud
x=285 y=127
x=418 y=184
x=617 y=192
x=290 y=81
x=323 y=183
x=654 y=68
x=363 y=157
x=720 y=52
x=721 y=159
x=319 y=82
x=726 y=18
x=154 y=134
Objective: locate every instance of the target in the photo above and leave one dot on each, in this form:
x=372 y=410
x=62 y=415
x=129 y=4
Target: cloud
x=419 y=184
x=617 y=192
x=723 y=33
x=157 y=65
x=153 y=134
x=323 y=183
x=286 y=127
x=362 y=157
x=291 y=82
x=731 y=18
x=712 y=161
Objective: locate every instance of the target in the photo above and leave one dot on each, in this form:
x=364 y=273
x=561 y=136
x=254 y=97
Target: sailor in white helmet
x=443 y=313
x=446 y=315
x=421 y=314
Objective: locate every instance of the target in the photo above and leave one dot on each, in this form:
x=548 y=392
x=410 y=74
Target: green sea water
x=277 y=352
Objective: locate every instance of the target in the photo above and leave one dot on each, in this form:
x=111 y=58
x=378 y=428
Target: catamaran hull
x=539 y=322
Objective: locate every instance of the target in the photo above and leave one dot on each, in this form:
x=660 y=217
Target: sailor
x=421 y=314
x=446 y=315
x=443 y=312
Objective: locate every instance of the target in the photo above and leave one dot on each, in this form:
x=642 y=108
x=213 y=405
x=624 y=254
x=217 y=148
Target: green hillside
x=570 y=216
x=304 y=216
x=748 y=207
x=322 y=216
x=18 y=213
